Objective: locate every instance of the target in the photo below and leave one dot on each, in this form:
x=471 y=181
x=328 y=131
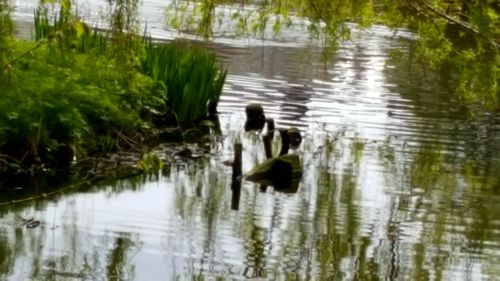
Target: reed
x=192 y=76
x=70 y=31
x=44 y=25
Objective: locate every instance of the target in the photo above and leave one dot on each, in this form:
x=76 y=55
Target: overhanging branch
x=465 y=25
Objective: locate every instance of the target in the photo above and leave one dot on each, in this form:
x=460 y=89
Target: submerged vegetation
x=457 y=38
x=77 y=91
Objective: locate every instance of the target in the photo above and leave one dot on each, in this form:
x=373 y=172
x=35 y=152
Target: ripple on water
x=389 y=183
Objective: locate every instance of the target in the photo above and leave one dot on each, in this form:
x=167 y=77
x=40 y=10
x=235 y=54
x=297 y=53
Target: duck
x=283 y=172
x=256 y=119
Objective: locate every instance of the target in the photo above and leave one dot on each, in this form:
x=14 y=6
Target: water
x=400 y=183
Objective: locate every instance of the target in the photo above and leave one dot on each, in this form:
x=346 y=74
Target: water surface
x=400 y=182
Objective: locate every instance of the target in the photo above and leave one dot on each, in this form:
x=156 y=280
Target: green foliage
x=76 y=90
x=68 y=31
x=106 y=144
x=126 y=47
x=49 y=103
x=150 y=163
x=327 y=19
x=461 y=38
x=186 y=77
x=6 y=27
x=68 y=92
x=191 y=77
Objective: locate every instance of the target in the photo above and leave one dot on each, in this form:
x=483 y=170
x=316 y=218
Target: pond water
x=399 y=181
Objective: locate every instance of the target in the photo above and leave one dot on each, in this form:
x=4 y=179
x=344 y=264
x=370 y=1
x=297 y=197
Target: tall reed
x=192 y=76
x=44 y=25
x=71 y=31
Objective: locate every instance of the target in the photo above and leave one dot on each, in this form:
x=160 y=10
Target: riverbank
x=76 y=93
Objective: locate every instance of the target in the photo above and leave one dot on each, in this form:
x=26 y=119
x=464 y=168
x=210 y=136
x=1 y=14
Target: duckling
x=255 y=117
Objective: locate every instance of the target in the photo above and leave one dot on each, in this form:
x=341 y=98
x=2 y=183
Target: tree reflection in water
x=399 y=183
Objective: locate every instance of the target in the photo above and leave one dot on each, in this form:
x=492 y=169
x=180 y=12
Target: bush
x=49 y=103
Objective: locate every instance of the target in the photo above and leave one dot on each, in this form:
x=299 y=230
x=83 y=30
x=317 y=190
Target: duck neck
x=285 y=142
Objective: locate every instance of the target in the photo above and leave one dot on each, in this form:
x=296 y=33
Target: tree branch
x=451 y=19
x=22 y=55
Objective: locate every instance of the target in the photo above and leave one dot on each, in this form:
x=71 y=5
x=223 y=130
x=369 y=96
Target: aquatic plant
x=192 y=77
x=45 y=26
x=69 y=31
x=150 y=163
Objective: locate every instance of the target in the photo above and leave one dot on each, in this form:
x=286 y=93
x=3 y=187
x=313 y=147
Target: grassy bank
x=78 y=92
